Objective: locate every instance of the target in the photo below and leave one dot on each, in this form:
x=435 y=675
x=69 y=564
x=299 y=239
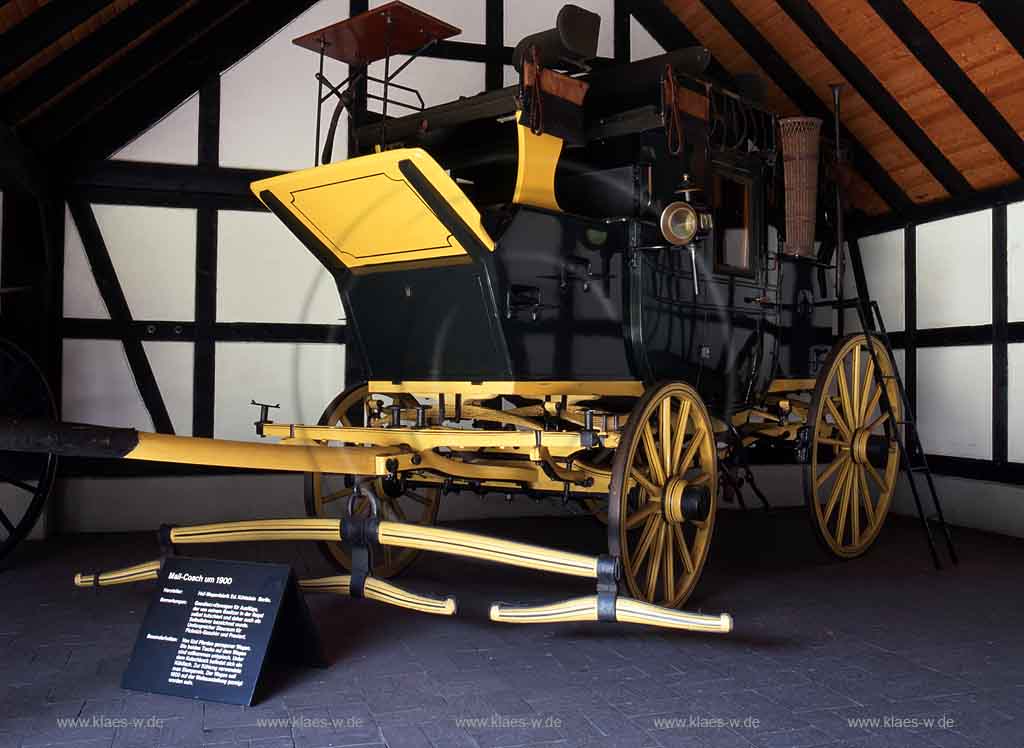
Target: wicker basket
x=801 y=138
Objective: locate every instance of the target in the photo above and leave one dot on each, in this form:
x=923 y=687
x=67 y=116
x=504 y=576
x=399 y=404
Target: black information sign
x=210 y=626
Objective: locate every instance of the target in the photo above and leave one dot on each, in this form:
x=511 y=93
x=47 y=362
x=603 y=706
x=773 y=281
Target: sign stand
x=211 y=626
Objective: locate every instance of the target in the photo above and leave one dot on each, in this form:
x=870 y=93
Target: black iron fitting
x=608 y=572
x=163 y=536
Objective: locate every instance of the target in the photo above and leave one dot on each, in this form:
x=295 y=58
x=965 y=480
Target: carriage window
x=732 y=225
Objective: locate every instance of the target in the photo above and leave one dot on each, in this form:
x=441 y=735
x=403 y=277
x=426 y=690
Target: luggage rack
x=392 y=29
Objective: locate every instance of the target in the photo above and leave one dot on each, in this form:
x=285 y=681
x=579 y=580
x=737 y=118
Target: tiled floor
x=882 y=651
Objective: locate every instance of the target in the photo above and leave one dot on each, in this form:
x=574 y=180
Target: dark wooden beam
x=668 y=30
x=876 y=95
x=60 y=73
x=20 y=168
x=1007 y=17
x=620 y=31
x=961 y=89
x=117 y=305
x=801 y=94
x=494 y=34
x=980 y=200
x=205 y=353
x=41 y=28
x=1000 y=337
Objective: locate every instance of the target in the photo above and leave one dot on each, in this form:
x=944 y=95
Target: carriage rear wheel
x=25 y=479
x=854 y=460
x=663 y=494
x=327 y=495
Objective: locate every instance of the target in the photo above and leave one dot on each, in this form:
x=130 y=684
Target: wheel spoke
x=844 y=506
x=832 y=442
x=397 y=510
x=869 y=408
x=830 y=471
x=869 y=381
x=665 y=432
x=855 y=506
x=833 y=495
x=679 y=436
x=840 y=422
x=855 y=384
x=877 y=422
x=684 y=551
x=419 y=499
x=875 y=476
x=844 y=392
x=691 y=451
x=869 y=508
x=654 y=566
x=6 y=523
x=341 y=494
x=669 y=572
x=700 y=480
x=652 y=491
x=641 y=515
x=646 y=537
x=653 y=461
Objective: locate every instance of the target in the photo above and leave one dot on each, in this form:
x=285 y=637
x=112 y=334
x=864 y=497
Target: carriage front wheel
x=327 y=495
x=663 y=494
x=854 y=461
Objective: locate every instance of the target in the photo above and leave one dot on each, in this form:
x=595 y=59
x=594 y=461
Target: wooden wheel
x=25 y=479
x=854 y=459
x=663 y=495
x=327 y=495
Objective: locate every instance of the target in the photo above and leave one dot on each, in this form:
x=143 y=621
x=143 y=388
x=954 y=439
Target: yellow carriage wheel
x=663 y=494
x=327 y=495
x=854 y=460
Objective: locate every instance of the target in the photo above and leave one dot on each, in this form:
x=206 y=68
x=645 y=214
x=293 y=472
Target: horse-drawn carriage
x=572 y=288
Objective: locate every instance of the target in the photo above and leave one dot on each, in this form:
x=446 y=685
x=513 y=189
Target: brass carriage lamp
x=683 y=225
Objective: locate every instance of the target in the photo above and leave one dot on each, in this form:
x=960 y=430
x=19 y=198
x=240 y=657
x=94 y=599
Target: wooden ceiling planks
x=858 y=115
x=66 y=42
x=16 y=11
x=982 y=52
x=882 y=52
x=736 y=60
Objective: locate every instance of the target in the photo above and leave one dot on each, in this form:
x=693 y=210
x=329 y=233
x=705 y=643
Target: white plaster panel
x=1015 y=395
x=172 y=140
x=883 y=268
x=641 y=44
x=268 y=99
x=954 y=271
x=173 y=367
x=81 y=294
x=264 y=274
x=98 y=386
x=470 y=16
x=954 y=400
x=1015 y=261
x=154 y=254
x=302 y=377
x=523 y=17
x=438 y=81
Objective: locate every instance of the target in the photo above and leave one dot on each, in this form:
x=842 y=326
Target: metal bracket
x=264 y=412
x=608 y=572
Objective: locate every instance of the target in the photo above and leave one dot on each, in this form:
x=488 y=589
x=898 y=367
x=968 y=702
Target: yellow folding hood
x=388 y=208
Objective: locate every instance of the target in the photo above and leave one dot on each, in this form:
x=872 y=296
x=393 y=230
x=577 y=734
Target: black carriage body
x=593 y=292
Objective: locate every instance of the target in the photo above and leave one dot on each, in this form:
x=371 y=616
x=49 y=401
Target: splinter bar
x=627 y=610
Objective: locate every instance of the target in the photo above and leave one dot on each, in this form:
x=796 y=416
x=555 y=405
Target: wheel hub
x=682 y=502
x=859 y=446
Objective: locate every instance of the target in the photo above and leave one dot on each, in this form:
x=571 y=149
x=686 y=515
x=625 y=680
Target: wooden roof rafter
x=952 y=78
x=41 y=28
x=804 y=97
x=875 y=93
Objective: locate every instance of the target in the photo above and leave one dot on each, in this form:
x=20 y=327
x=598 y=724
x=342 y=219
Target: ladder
x=912 y=456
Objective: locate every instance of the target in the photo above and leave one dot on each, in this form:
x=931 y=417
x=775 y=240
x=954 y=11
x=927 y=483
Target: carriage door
x=730 y=331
